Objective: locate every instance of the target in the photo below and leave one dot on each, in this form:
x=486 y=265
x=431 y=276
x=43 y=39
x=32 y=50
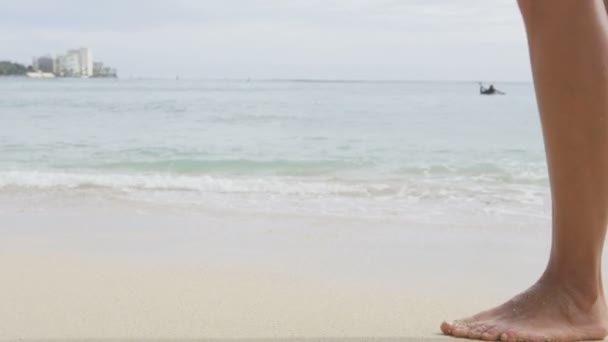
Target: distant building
x=44 y=64
x=60 y=65
x=72 y=64
x=99 y=70
x=75 y=63
x=85 y=58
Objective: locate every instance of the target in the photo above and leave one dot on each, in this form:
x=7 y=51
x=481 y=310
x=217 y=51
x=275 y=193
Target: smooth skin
x=568 y=43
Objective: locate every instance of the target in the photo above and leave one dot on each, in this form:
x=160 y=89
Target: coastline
x=97 y=268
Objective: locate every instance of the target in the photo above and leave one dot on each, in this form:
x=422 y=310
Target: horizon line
x=296 y=79
x=318 y=80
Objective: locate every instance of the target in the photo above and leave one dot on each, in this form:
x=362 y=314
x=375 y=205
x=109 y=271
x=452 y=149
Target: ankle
x=585 y=290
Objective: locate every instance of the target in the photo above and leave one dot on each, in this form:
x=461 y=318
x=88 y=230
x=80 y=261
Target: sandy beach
x=79 y=266
x=298 y=171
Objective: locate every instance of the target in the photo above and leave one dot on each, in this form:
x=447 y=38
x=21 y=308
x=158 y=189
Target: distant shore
x=55 y=77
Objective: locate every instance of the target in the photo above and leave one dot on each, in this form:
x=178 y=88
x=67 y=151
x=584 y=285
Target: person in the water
x=568 y=43
x=489 y=91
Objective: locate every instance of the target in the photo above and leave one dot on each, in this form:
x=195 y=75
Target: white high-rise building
x=75 y=63
x=86 y=62
x=72 y=63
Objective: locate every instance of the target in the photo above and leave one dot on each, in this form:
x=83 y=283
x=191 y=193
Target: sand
x=84 y=267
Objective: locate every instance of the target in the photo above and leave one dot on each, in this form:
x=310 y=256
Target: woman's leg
x=568 y=42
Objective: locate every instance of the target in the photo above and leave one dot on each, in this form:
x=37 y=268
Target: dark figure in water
x=489 y=91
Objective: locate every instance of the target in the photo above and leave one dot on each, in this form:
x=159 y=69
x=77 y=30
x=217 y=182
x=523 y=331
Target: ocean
x=425 y=152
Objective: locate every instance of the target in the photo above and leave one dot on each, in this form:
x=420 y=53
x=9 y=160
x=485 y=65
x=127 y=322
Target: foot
x=547 y=311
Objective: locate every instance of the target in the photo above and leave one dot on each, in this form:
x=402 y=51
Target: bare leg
x=568 y=42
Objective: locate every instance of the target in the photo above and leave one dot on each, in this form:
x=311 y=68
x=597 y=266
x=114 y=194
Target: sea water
x=420 y=151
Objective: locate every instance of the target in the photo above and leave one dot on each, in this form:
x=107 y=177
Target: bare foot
x=545 y=312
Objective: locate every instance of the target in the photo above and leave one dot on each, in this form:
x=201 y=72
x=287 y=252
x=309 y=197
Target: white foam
x=419 y=198
x=202 y=183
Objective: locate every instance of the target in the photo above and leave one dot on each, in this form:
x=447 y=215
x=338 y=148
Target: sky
x=467 y=40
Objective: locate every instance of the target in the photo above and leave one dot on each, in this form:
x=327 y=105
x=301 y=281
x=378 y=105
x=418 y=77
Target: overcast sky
x=314 y=39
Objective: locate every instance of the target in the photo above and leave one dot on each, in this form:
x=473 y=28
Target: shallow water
x=425 y=152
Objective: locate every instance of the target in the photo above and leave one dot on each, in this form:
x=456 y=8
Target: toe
x=447 y=327
x=457 y=328
x=461 y=330
x=477 y=330
x=492 y=334
x=511 y=336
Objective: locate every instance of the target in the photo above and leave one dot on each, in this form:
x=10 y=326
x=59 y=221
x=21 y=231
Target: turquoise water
x=422 y=151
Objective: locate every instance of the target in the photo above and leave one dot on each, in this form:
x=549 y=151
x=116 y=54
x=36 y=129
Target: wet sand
x=84 y=267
